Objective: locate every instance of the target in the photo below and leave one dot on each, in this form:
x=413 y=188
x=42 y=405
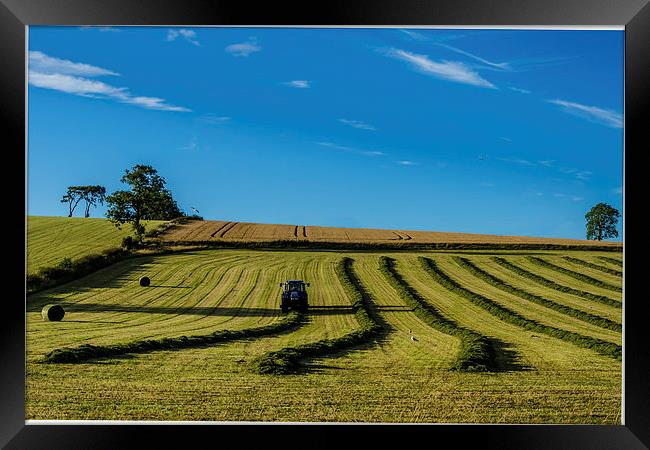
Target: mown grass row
x=288 y=360
x=577 y=275
x=584 y=263
x=598 y=345
x=614 y=261
x=553 y=285
x=504 y=286
x=88 y=352
x=477 y=353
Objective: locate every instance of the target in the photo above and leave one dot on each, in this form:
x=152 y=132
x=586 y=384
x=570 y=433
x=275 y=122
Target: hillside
x=51 y=239
x=224 y=231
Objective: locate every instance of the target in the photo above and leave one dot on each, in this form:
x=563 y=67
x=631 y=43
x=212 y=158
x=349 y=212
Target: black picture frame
x=15 y=15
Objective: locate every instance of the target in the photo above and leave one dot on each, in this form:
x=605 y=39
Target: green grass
x=591 y=265
x=573 y=312
x=52 y=239
x=288 y=360
x=393 y=379
x=603 y=347
x=572 y=273
x=476 y=352
x=556 y=286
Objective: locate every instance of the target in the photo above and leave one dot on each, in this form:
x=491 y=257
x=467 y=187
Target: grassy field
x=51 y=239
x=221 y=231
x=403 y=374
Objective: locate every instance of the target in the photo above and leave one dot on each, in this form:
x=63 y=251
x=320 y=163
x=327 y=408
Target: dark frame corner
x=15 y=15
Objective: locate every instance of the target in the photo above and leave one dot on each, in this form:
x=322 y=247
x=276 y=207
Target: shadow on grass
x=507 y=359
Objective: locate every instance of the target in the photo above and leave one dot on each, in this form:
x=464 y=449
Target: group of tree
x=90 y=194
x=146 y=198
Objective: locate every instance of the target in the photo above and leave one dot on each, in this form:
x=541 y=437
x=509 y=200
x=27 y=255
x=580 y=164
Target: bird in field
x=413 y=338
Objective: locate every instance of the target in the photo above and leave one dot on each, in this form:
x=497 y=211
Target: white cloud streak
x=601 y=116
x=244 y=48
x=500 y=66
x=188 y=35
x=214 y=119
x=358 y=124
x=446 y=70
x=350 y=149
x=57 y=74
x=298 y=84
x=42 y=63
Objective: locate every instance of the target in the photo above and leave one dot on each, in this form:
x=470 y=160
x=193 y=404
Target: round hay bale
x=145 y=281
x=52 y=313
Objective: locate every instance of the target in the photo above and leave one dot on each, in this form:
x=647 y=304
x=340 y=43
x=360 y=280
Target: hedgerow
x=381 y=246
x=87 y=351
x=558 y=287
x=600 y=346
x=288 y=360
x=503 y=285
x=68 y=270
x=584 y=263
x=476 y=353
x=573 y=274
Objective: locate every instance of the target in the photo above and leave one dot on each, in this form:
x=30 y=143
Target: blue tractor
x=294 y=296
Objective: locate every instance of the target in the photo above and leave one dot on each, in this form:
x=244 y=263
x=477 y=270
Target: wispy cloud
x=446 y=70
x=505 y=139
x=406 y=162
x=358 y=124
x=546 y=163
x=214 y=119
x=487 y=184
x=102 y=29
x=350 y=149
x=58 y=74
x=244 y=48
x=573 y=198
x=191 y=146
x=523 y=162
x=298 y=84
x=42 y=63
x=500 y=66
x=618 y=190
x=602 y=116
x=521 y=91
x=188 y=35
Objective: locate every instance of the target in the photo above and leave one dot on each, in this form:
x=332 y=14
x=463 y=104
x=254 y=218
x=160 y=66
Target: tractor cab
x=294 y=295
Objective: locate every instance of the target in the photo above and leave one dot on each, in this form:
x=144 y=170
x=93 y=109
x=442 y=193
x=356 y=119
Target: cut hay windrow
x=288 y=360
x=584 y=263
x=553 y=285
x=616 y=262
x=577 y=275
x=504 y=286
x=477 y=352
x=600 y=346
x=88 y=351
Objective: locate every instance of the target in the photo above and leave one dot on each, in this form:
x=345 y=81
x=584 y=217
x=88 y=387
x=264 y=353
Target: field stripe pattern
x=553 y=285
x=476 y=354
x=499 y=283
x=288 y=359
x=603 y=347
x=574 y=274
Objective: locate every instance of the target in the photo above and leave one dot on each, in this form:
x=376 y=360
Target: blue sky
x=512 y=132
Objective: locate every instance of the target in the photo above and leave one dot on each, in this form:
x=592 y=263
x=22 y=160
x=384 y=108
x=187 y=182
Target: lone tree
x=91 y=195
x=601 y=222
x=147 y=199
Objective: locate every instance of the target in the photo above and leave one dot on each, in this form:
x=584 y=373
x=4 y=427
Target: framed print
x=402 y=219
